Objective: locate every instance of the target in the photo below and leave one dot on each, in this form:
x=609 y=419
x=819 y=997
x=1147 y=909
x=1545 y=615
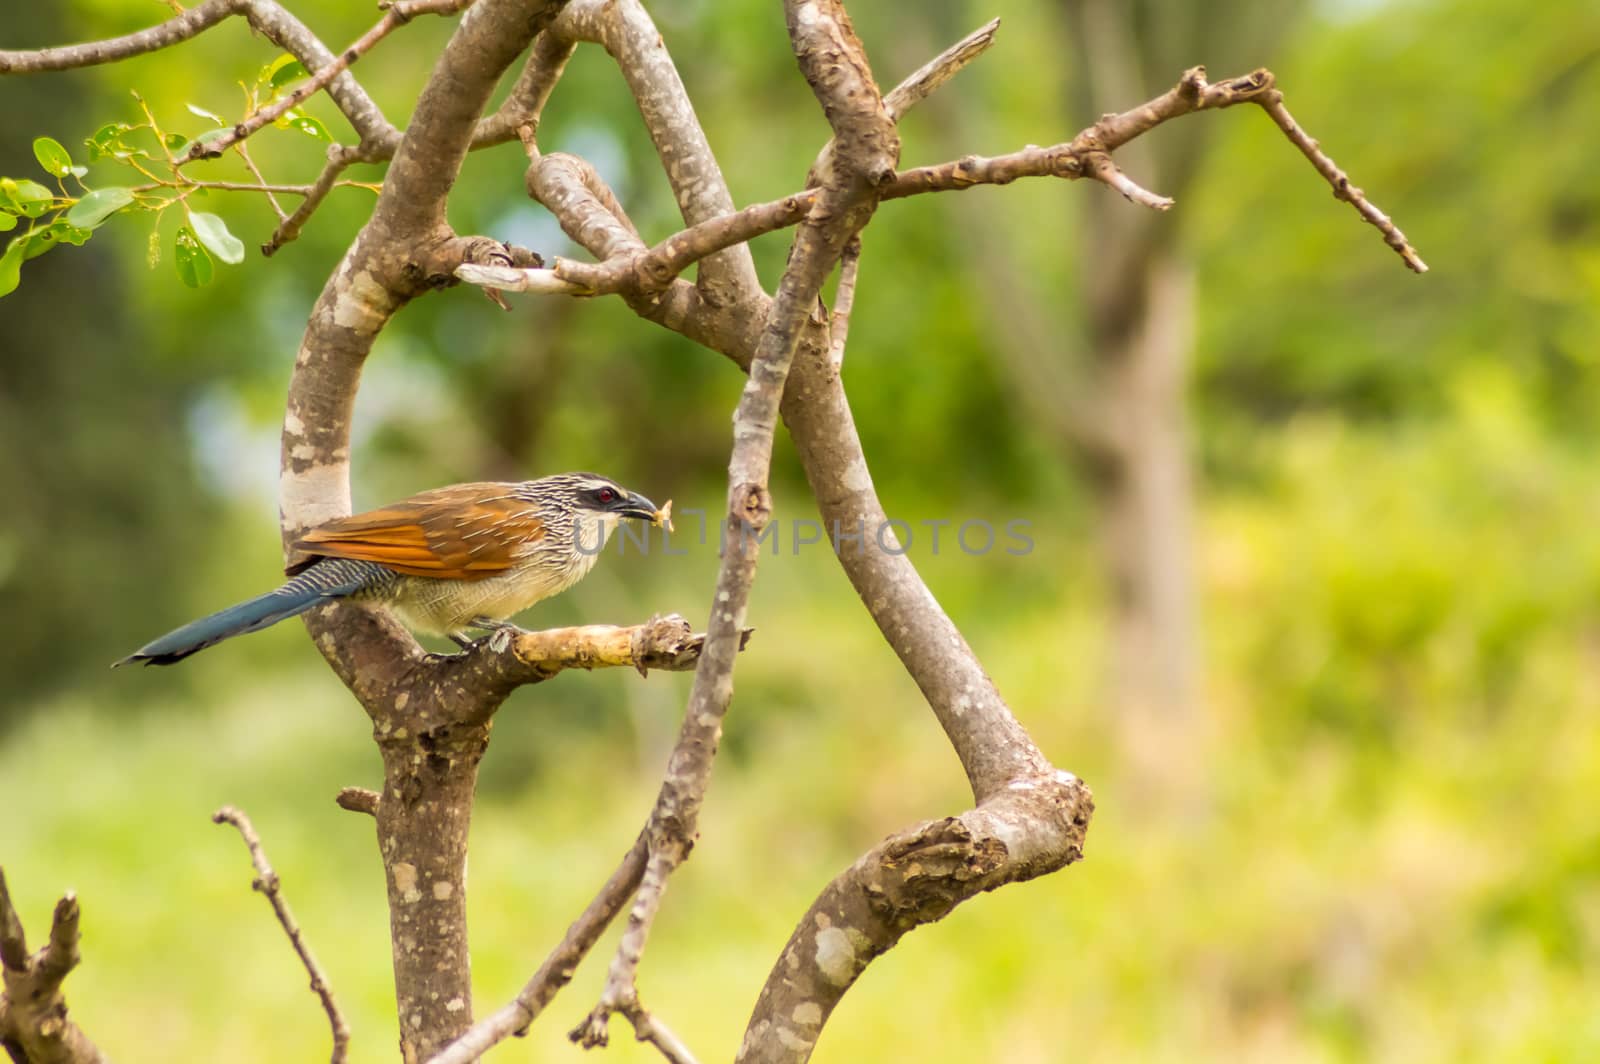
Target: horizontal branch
x=173 y=31
x=647 y=270
x=473 y=684
x=643 y=271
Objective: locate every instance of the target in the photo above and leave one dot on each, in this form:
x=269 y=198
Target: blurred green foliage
x=1383 y=846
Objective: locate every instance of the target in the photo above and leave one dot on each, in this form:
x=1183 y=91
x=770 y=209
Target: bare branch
x=844 y=300
x=525 y=103
x=1098 y=165
x=266 y=17
x=558 y=968
x=266 y=882
x=638 y=269
x=34 y=1025
x=632 y=270
x=358 y=800
x=339 y=159
x=591 y=1033
x=399 y=13
x=835 y=65
x=1272 y=103
x=625 y=30
x=912 y=878
x=927 y=79
x=479 y=680
x=174 y=31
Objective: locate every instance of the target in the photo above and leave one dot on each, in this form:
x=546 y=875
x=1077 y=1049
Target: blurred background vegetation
x=1362 y=828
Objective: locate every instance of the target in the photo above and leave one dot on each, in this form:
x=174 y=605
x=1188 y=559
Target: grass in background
x=1385 y=848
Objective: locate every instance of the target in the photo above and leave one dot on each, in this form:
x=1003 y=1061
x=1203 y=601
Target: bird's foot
x=498 y=640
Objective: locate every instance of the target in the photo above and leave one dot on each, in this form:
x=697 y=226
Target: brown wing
x=463 y=532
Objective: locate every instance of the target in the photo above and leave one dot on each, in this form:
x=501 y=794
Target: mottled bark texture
x=34 y=1026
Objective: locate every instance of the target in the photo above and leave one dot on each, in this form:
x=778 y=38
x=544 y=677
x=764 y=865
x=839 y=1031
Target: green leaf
x=213 y=233
x=8 y=222
x=193 y=264
x=52 y=156
x=31 y=198
x=280 y=72
x=107 y=140
x=174 y=140
x=203 y=113
x=64 y=232
x=294 y=118
x=97 y=206
x=38 y=241
x=11 y=267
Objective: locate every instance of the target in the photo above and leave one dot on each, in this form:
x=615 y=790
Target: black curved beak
x=635 y=505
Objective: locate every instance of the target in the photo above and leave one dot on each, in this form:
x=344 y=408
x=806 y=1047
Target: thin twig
x=1098 y=165
x=266 y=17
x=340 y=157
x=266 y=882
x=397 y=15
x=1086 y=155
x=255 y=171
x=557 y=969
x=926 y=79
x=844 y=300
x=1272 y=103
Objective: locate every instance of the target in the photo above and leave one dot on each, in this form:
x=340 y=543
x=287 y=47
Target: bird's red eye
x=607 y=495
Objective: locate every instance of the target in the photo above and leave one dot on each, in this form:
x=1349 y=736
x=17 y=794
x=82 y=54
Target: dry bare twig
x=267 y=884
x=398 y=14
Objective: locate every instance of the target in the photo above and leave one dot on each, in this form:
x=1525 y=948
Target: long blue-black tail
x=327 y=579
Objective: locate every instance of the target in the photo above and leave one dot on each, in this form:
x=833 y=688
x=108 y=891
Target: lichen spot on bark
x=364 y=305
x=836 y=957
x=405 y=881
x=808 y=1014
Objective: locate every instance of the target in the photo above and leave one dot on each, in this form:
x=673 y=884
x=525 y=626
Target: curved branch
x=173 y=31
x=625 y=30
x=914 y=877
x=430 y=760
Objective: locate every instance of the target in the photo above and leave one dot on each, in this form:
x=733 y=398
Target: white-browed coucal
x=446 y=561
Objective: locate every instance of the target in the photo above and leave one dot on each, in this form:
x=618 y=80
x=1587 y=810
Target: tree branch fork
x=430 y=712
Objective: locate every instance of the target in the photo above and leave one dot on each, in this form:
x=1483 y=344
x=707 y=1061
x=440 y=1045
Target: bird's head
x=592 y=503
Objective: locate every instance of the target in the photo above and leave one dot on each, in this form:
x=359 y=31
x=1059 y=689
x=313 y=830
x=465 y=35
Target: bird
x=446 y=561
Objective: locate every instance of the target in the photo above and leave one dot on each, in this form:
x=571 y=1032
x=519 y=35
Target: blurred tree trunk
x=1107 y=378
x=1143 y=478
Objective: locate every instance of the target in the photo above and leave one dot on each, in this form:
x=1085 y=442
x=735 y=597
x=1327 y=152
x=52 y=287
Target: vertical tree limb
x=34 y=1025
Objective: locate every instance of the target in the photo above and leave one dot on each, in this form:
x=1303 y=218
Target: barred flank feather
x=330 y=578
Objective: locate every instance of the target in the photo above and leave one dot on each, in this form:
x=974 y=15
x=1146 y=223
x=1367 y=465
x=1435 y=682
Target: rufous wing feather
x=463 y=532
